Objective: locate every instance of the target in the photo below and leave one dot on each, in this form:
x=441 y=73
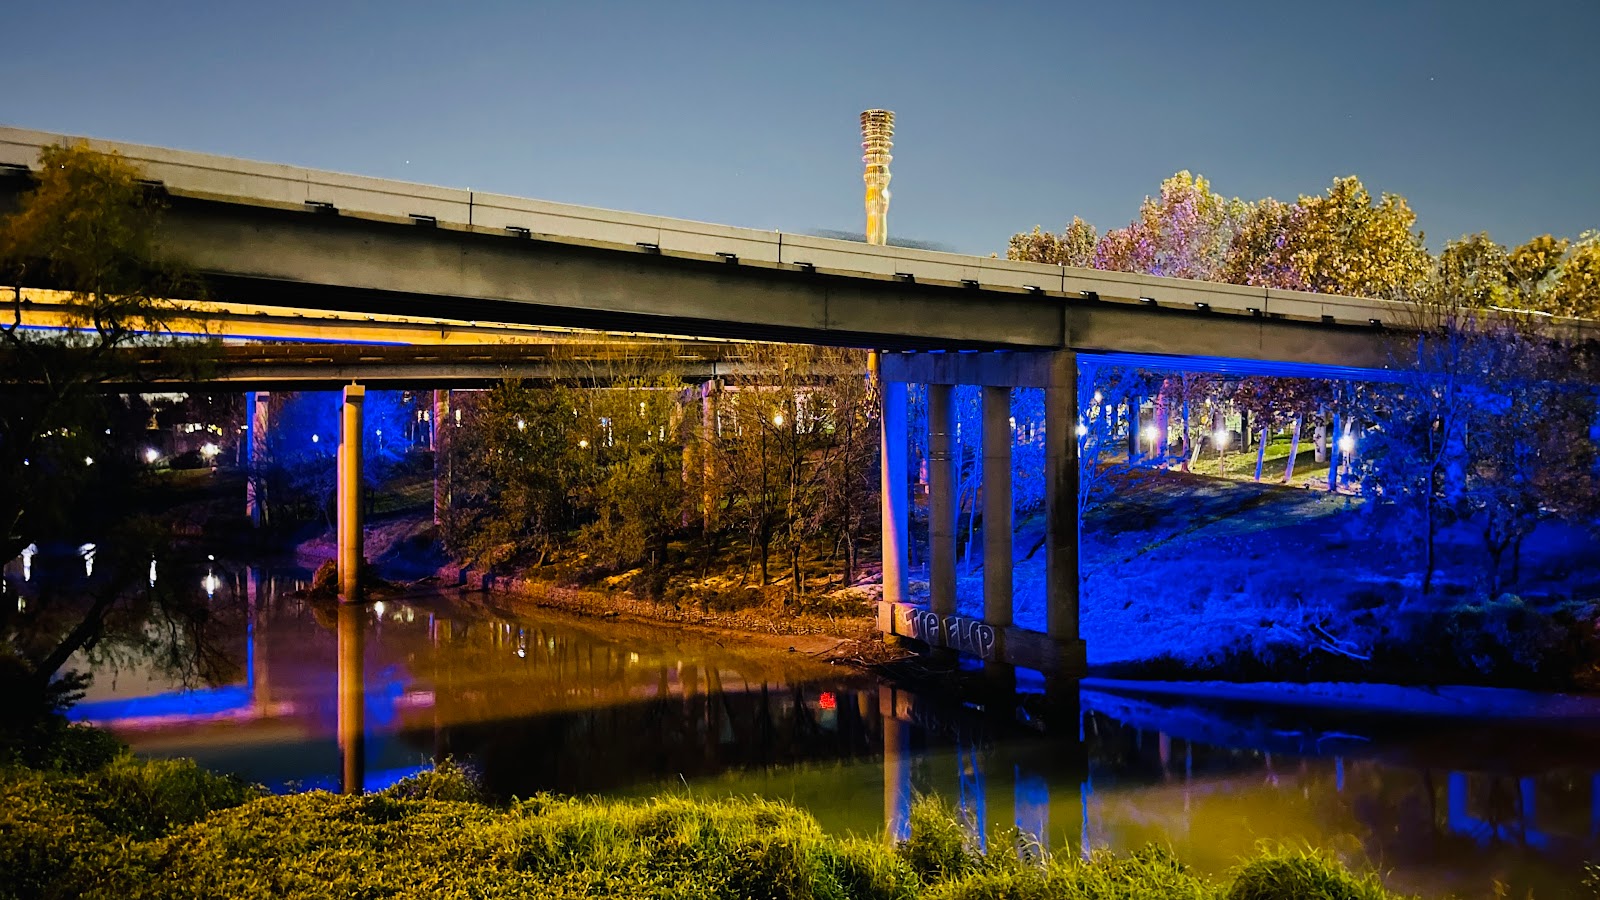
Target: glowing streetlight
x=209 y=451
x=151 y=454
x=777 y=419
x=88 y=460
x=211 y=582
x=521 y=425
x=87 y=552
x=1082 y=429
x=315 y=438
x=583 y=443
x=1223 y=437
x=378 y=607
x=1150 y=434
x=1347 y=444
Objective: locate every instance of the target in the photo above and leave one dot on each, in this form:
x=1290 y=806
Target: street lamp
x=151 y=454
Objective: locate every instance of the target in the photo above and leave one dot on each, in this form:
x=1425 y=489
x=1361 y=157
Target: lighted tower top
x=877 y=129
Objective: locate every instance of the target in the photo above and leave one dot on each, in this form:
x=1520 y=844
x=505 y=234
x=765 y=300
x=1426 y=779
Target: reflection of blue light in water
x=970 y=786
x=200 y=702
x=383 y=698
x=1033 y=804
x=1338 y=774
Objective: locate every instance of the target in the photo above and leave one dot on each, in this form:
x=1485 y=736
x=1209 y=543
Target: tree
x=1575 y=287
x=1344 y=243
x=1262 y=253
x=1476 y=271
x=1184 y=232
x=1075 y=246
x=87 y=227
x=1529 y=267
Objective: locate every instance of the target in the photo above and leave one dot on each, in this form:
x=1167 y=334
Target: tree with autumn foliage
x=1073 y=247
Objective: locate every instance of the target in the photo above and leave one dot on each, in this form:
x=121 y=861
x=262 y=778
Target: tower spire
x=877 y=129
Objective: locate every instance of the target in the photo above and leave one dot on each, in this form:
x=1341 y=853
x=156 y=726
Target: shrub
x=170 y=830
x=1303 y=875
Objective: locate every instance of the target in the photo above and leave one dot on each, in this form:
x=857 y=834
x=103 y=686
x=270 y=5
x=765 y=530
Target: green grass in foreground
x=135 y=829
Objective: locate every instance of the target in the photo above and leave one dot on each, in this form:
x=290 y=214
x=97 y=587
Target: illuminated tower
x=877 y=127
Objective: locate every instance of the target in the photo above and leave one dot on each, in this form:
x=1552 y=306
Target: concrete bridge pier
x=442 y=428
x=943 y=472
x=994 y=638
x=256 y=406
x=895 y=501
x=348 y=494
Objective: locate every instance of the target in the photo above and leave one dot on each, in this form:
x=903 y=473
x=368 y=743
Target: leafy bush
x=170 y=830
x=1281 y=874
x=448 y=780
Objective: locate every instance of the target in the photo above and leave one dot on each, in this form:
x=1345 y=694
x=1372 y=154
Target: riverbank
x=169 y=829
x=1184 y=577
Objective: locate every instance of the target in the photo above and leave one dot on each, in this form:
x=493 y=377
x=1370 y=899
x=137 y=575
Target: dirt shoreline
x=852 y=639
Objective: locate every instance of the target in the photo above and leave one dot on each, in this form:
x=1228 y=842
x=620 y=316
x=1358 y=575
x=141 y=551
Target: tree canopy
x=1341 y=241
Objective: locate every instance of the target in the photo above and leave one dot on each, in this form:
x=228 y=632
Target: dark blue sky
x=1010 y=114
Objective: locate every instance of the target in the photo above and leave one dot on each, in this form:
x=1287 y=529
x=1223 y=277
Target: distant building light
x=88 y=460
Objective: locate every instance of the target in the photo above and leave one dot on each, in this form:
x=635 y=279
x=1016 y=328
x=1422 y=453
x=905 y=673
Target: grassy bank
x=131 y=829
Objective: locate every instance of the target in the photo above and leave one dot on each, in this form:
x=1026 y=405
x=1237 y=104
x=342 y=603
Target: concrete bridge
x=266 y=235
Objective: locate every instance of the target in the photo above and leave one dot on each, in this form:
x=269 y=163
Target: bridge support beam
x=1061 y=509
x=442 y=427
x=708 y=459
x=896 y=497
x=997 y=507
x=256 y=405
x=995 y=639
x=942 y=473
x=349 y=494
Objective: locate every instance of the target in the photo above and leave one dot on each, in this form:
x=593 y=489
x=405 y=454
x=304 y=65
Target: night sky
x=1009 y=114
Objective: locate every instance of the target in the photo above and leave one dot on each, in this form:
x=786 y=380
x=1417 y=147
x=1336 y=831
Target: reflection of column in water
x=1594 y=807
x=1188 y=779
x=999 y=787
x=1032 y=801
x=1070 y=758
x=352 y=696
x=969 y=778
x=896 y=768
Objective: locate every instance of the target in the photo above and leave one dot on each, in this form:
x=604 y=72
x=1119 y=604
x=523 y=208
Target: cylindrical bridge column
x=349 y=493
x=442 y=433
x=942 y=465
x=997 y=510
x=1061 y=509
x=895 y=502
x=257 y=404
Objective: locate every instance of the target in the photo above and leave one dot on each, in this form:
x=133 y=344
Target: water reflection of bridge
x=546 y=703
